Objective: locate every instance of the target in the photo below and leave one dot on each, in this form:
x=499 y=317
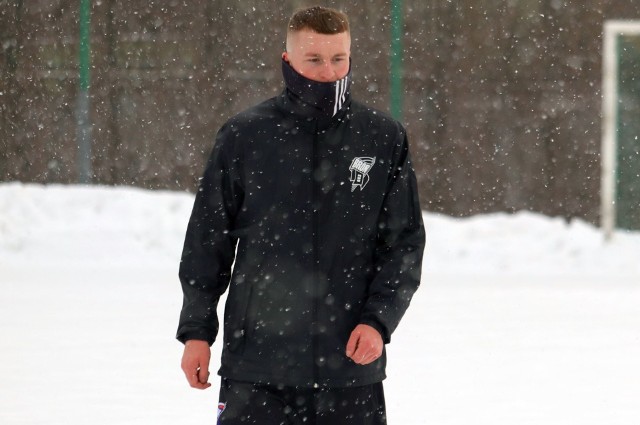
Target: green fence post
x=396 y=58
x=83 y=125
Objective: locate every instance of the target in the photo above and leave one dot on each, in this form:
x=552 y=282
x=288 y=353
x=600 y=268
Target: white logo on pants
x=221 y=407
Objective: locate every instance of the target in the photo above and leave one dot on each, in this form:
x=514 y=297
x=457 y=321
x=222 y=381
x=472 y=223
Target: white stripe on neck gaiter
x=344 y=91
x=337 y=98
x=340 y=94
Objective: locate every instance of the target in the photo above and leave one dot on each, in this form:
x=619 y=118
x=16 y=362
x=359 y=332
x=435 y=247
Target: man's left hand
x=365 y=345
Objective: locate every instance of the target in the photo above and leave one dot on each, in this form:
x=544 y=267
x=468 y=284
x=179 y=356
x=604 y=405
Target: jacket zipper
x=315 y=327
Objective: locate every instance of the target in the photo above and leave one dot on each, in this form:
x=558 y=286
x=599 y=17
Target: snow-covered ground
x=521 y=319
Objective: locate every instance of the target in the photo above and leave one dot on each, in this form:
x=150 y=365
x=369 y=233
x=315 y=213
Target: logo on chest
x=360 y=167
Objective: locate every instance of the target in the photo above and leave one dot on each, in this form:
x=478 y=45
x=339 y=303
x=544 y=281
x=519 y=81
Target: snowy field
x=521 y=319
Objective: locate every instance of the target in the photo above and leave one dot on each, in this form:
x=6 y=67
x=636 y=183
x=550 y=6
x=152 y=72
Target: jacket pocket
x=237 y=331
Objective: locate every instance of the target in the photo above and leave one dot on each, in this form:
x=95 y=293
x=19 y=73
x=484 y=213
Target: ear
x=285 y=57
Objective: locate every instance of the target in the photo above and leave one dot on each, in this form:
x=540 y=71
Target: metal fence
x=501 y=99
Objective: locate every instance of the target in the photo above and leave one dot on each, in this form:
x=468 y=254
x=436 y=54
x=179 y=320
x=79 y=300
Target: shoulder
x=247 y=125
x=376 y=120
x=255 y=117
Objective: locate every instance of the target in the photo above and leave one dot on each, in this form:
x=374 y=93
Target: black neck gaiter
x=326 y=97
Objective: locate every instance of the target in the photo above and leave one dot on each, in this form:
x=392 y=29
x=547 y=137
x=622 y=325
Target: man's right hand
x=195 y=363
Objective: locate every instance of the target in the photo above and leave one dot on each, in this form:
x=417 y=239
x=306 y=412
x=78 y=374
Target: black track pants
x=243 y=403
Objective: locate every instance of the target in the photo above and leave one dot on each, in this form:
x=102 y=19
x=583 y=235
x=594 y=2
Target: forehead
x=308 y=41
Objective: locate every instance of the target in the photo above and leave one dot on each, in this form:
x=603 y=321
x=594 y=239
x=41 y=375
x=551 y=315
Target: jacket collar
x=325 y=102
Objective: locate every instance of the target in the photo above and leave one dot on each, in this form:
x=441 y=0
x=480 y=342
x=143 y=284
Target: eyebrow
x=318 y=54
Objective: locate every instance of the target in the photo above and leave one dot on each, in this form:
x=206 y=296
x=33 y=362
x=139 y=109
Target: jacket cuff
x=382 y=330
x=185 y=336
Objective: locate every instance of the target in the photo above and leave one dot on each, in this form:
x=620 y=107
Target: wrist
x=191 y=342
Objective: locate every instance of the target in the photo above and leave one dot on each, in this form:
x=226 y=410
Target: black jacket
x=322 y=218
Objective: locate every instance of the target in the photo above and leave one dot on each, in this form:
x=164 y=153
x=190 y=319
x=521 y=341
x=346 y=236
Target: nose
x=327 y=73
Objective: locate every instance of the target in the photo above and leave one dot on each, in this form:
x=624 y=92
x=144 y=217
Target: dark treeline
x=501 y=97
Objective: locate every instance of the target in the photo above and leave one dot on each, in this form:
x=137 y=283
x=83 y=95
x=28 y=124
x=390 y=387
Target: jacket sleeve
x=398 y=256
x=209 y=248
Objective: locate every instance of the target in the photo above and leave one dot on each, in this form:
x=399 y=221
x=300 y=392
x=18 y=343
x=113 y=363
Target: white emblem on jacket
x=360 y=167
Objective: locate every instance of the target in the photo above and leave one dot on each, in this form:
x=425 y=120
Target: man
x=308 y=212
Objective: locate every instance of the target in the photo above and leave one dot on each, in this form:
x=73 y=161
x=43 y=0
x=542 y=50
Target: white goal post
x=610 y=71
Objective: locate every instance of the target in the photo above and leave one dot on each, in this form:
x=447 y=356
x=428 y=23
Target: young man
x=314 y=198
